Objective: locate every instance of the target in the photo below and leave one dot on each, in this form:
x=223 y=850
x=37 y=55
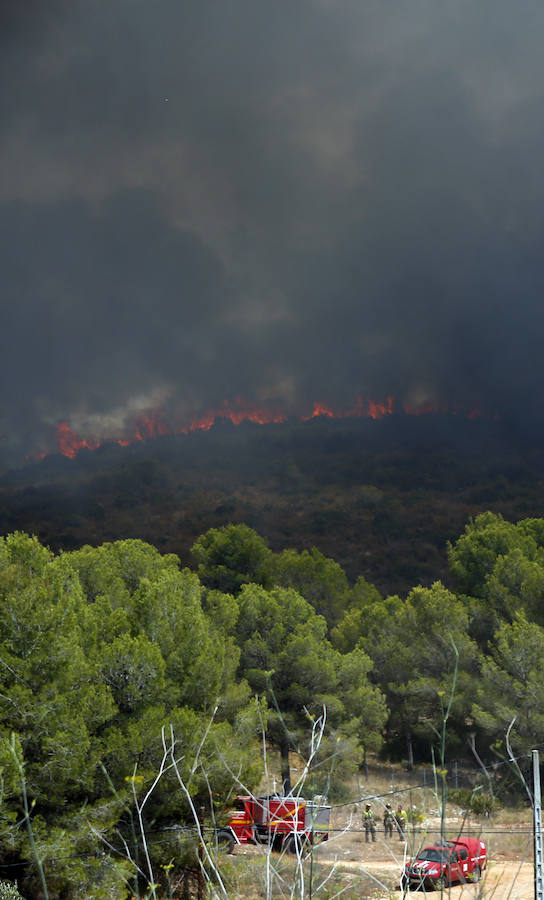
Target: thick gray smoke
x=291 y=201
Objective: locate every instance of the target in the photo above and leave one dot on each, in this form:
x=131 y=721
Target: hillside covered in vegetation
x=382 y=498
x=133 y=690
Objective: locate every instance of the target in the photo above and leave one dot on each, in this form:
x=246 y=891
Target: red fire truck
x=284 y=823
x=441 y=864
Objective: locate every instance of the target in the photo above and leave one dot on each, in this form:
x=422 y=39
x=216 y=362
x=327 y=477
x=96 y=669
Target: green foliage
x=286 y=656
x=364 y=707
x=486 y=538
x=412 y=644
x=414 y=815
x=105 y=652
x=321 y=581
x=75 y=861
x=229 y=557
x=133 y=670
x=512 y=687
x=283 y=649
x=100 y=649
x=501 y=566
x=9 y=891
x=477 y=801
x=364 y=598
x=48 y=686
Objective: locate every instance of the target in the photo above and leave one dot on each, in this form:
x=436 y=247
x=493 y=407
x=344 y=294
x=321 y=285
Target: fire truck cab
x=284 y=823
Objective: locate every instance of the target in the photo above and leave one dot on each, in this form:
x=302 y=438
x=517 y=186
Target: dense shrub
x=9 y=891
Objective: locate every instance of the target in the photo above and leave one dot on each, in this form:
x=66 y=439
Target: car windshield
x=432 y=855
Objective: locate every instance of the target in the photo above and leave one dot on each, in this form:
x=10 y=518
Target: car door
x=455 y=867
x=464 y=863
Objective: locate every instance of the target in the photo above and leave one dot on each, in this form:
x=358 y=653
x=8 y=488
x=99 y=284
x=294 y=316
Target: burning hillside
x=150 y=424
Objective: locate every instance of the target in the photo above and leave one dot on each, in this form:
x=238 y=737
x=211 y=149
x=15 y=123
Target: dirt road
x=502 y=881
x=373 y=869
x=509 y=875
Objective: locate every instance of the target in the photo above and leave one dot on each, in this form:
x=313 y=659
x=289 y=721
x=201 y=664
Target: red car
x=441 y=864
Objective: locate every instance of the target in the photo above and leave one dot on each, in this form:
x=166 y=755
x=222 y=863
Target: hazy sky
x=291 y=200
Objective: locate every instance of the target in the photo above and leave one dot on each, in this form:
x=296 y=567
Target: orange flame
x=152 y=424
x=379 y=410
x=320 y=409
x=366 y=409
x=242 y=412
x=69 y=443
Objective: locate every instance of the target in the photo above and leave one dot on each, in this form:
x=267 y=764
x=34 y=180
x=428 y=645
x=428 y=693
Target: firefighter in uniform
x=369 y=823
x=388 y=820
x=401 y=819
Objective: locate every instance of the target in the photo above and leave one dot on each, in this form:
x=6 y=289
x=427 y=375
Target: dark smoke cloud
x=290 y=201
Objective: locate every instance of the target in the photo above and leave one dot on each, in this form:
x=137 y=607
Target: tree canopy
x=99 y=650
x=102 y=648
x=285 y=654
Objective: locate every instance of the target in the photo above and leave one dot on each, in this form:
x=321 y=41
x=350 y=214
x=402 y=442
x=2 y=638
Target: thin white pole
x=537 y=828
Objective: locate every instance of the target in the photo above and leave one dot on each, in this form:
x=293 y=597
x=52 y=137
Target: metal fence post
x=200 y=884
x=537 y=828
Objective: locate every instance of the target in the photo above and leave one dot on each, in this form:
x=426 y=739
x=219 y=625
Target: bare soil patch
x=508 y=837
x=362 y=869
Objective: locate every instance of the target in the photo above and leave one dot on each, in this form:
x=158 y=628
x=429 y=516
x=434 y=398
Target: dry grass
x=348 y=867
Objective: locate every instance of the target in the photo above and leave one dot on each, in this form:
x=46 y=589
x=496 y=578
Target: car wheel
x=475 y=877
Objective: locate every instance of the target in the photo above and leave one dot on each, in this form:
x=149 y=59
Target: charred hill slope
x=382 y=498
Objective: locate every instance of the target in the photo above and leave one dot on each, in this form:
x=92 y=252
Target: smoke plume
x=289 y=201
